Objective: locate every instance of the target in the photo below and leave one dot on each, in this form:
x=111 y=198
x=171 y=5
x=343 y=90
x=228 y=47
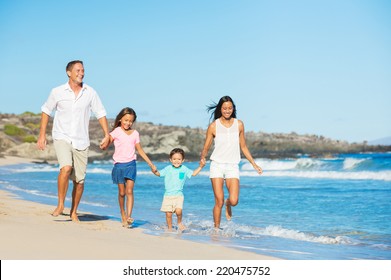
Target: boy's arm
x=198 y=170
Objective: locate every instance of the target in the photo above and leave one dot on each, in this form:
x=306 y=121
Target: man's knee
x=66 y=169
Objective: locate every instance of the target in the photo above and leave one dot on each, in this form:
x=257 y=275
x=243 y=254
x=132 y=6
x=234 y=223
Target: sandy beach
x=29 y=232
x=8 y=160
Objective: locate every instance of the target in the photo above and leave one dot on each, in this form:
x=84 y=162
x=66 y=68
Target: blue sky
x=310 y=67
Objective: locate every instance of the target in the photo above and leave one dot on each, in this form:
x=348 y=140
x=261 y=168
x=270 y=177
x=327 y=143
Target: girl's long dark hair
x=216 y=108
x=122 y=113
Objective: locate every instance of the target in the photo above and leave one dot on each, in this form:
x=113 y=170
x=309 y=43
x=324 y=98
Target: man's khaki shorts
x=69 y=156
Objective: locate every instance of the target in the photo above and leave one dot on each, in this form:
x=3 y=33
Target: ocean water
x=300 y=209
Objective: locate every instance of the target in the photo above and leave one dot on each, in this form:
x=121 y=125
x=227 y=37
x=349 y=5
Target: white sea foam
x=13 y=188
x=232 y=230
x=98 y=170
x=35 y=168
x=29 y=191
x=381 y=246
x=268 y=164
x=271 y=165
x=351 y=163
x=109 y=161
x=364 y=175
x=279 y=231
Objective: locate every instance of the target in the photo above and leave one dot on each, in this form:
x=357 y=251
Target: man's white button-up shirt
x=72 y=113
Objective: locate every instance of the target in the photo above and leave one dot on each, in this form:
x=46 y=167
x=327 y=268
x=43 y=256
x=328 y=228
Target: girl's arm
x=245 y=150
x=210 y=134
x=145 y=157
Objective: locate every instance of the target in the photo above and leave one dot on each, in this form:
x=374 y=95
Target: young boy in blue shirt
x=175 y=176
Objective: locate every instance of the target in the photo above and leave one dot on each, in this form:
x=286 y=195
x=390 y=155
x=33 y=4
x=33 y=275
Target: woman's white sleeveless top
x=226 y=143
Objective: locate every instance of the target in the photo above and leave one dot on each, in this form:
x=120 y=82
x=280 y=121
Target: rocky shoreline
x=18 y=135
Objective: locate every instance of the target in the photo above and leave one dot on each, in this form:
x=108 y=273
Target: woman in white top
x=228 y=135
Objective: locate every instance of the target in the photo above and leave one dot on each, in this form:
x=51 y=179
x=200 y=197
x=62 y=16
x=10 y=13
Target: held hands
x=202 y=162
x=153 y=168
x=105 y=142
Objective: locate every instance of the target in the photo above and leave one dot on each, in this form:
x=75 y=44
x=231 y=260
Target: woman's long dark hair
x=122 y=113
x=216 y=108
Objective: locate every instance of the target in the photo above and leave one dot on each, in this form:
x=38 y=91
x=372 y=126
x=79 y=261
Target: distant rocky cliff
x=18 y=134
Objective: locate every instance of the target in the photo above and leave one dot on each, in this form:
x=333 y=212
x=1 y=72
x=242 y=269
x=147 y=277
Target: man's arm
x=105 y=127
x=41 y=142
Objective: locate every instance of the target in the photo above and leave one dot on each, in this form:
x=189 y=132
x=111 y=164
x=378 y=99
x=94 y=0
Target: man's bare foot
x=228 y=210
x=58 y=211
x=181 y=227
x=75 y=218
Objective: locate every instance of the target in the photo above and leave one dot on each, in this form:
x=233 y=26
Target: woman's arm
x=245 y=150
x=210 y=134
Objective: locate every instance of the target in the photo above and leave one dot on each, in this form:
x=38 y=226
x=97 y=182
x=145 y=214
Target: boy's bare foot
x=181 y=227
x=228 y=210
x=58 y=211
x=216 y=232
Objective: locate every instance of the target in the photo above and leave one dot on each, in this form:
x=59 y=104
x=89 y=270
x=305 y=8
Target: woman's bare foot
x=130 y=221
x=124 y=221
x=228 y=210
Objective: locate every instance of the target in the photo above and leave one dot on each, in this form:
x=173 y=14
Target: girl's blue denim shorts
x=123 y=171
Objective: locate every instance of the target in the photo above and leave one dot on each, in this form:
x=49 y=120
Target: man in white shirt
x=73 y=103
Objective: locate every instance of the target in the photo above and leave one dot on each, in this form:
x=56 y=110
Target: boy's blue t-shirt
x=174 y=179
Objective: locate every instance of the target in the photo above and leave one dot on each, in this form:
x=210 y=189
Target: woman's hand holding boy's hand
x=202 y=162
